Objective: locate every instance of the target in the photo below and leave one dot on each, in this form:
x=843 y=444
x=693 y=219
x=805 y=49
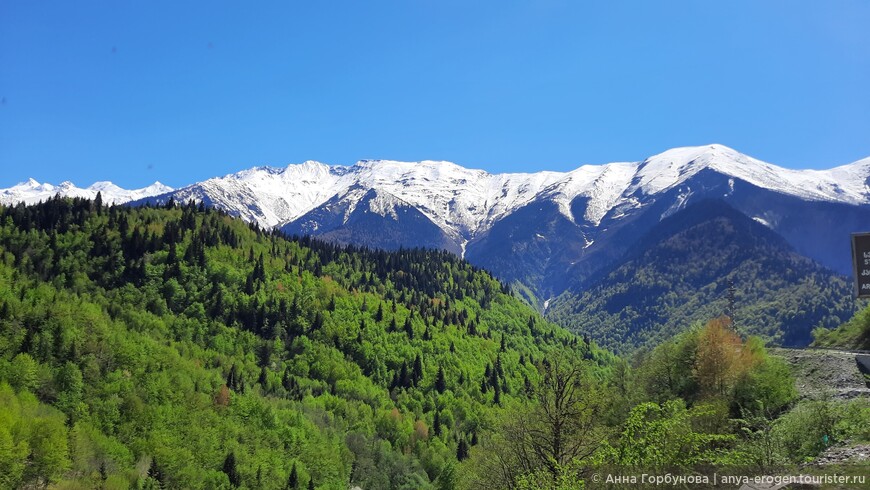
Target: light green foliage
x=768 y=385
x=666 y=372
x=806 y=430
x=853 y=334
x=543 y=480
x=553 y=438
x=853 y=421
x=33 y=440
x=749 y=379
x=13 y=447
x=23 y=372
x=166 y=339
x=814 y=425
x=761 y=447
x=139 y=348
x=662 y=437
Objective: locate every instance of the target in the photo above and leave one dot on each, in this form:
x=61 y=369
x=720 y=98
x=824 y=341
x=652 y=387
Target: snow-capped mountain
x=31 y=192
x=547 y=230
x=465 y=202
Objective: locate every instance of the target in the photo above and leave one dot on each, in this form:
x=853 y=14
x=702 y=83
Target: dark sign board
x=861 y=264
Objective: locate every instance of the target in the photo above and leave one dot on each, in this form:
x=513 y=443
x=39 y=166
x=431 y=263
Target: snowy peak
x=156 y=188
x=104 y=186
x=846 y=184
x=464 y=202
x=31 y=192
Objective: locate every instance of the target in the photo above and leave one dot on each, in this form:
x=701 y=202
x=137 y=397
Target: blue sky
x=137 y=91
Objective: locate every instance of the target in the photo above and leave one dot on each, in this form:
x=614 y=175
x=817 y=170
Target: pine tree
x=293 y=479
x=409 y=330
x=418 y=370
x=462 y=450
x=155 y=473
x=440 y=381
x=229 y=468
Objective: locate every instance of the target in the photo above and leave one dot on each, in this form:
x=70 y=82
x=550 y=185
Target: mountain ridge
x=606 y=184
x=679 y=273
x=32 y=191
x=471 y=200
x=572 y=222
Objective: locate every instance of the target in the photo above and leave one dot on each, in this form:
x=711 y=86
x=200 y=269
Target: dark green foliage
x=155 y=473
x=440 y=381
x=210 y=351
x=462 y=450
x=229 y=469
x=680 y=271
x=213 y=353
x=293 y=479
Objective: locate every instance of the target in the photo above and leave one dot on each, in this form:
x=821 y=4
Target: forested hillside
x=181 y=347
x=176 y=347
x=853 y=334
x=680 y=273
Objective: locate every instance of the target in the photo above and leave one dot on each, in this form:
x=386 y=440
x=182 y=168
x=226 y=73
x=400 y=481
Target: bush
x=807 y=429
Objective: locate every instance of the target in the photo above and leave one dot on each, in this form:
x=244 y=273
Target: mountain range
x=553 y=236
x=681 y=273
x=32 y=192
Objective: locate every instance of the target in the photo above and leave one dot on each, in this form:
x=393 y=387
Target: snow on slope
x=270 y=196
x=466 y=202
x=841 y=184
x=31 y=192
x=461 y=201
x=602 y=184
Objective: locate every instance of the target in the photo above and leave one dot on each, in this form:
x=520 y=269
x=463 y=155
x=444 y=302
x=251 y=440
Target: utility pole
x=732 y=291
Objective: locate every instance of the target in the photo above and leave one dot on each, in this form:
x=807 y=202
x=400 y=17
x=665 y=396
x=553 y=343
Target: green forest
x=854 y=334
x=179 y=347
x=681 y=272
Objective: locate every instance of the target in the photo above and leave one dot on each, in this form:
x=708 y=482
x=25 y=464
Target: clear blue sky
x=137 y=91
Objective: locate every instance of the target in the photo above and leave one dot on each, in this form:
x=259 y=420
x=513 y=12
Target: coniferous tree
x=418 y=370
x=409 y=330
x=462 y=450
x=229 y=468
x=440 y=381
x=155 y=473
x=293 y=479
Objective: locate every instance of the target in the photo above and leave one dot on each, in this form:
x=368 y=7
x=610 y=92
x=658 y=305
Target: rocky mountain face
x=544 y=232
x=681 y=272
